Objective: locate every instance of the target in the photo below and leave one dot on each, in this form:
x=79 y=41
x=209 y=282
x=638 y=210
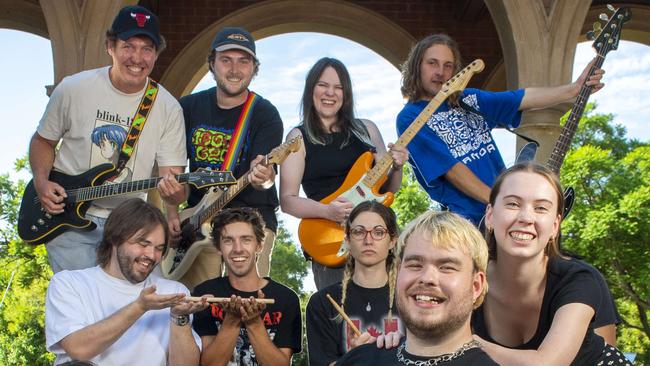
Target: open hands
x=244 y=310
x=150 y=300
x=190 y=307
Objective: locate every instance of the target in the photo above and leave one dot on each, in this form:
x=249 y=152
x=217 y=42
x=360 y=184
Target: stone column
x=539 y=38
x=77 y=29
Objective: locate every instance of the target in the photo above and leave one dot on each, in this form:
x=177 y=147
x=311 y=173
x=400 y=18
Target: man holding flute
x=257 y=330
x=118 y=311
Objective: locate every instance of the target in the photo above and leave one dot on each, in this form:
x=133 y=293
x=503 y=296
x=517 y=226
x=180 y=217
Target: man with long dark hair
x=119 y=313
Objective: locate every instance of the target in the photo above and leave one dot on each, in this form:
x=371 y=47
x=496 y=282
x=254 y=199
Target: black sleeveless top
x=326 y=166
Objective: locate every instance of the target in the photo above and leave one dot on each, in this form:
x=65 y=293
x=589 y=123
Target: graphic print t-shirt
x=282 y=319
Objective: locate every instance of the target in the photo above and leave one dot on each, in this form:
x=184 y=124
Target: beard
x=223 y=86
x=127 y=264
x=458 y=314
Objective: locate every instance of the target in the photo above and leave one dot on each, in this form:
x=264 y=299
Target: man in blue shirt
x=454 y=157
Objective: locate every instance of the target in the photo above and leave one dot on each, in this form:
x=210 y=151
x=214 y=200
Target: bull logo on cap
x=140 y=18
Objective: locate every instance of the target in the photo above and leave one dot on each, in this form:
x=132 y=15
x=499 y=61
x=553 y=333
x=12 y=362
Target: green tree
x=24 y=276
x=411 y=200
x=289 y=267
x=610 y=222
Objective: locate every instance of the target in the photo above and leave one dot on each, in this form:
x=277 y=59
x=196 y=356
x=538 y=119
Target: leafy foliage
x=411 y=200
x=24 y=276
x=610 y=222
x=289 y=267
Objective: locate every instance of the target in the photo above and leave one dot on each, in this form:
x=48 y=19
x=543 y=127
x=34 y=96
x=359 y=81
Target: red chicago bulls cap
x=135 y=21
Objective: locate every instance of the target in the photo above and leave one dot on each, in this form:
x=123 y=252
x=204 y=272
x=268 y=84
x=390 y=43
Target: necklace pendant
x=368 y=307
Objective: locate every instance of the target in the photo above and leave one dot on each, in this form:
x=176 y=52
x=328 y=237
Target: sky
x=285 y=60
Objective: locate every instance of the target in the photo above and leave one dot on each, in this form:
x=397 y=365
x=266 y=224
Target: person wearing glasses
x=366 y=293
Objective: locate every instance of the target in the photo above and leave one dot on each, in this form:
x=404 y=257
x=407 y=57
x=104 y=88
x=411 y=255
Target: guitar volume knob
x=40 y=221
x=47 y=215
x=34 y=228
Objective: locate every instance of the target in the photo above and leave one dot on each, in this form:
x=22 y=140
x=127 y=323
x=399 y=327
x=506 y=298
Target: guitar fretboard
x=606 y=44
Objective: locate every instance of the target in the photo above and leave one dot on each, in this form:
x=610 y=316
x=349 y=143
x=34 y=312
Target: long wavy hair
x=347 y=123
x=552 y=248
x=411 y=75
x=390 y=220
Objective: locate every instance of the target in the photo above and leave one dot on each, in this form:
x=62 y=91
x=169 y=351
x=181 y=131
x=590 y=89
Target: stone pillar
x=77 y=30
x=539 y=38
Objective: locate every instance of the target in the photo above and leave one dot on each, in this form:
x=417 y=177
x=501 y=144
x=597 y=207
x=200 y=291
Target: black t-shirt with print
x=282 y=319
x=208 y=130
x=327 y=333
x=369 y=354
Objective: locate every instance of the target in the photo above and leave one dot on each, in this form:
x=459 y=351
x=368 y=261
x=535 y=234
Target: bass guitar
x=36 y=226
x=195 y=221
x=322 y=238
x=605 y=39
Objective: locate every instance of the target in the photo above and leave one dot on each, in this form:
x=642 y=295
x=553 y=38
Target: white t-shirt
x=77 y=299
x=92 y=118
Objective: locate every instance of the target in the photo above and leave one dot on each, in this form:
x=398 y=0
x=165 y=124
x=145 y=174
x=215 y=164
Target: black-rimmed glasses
x=377 y=232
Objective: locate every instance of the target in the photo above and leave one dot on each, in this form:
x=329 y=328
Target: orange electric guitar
x=322 y=238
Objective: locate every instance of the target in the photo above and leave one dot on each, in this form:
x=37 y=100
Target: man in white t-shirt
x=119 y=313
x=89 y=114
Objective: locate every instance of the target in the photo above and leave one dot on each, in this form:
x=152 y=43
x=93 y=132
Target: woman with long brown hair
x=367 y=292
x=540 y=307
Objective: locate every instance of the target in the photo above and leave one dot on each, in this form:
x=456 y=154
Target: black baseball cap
x=136 y=21
x=234 y=38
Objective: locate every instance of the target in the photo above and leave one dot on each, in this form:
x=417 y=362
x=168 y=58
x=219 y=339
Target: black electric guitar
x=36 y=226
x=195 y=221
x=605 y=39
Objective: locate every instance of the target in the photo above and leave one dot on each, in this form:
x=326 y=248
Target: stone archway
x=339 y=18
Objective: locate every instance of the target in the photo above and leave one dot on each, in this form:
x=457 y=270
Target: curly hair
x=237 y=214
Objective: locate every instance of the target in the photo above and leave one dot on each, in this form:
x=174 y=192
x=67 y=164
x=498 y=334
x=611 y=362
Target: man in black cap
x=91 y=114
x=218 y=121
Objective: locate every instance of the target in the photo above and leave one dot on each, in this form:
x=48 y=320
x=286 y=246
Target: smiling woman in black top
x=540 y=306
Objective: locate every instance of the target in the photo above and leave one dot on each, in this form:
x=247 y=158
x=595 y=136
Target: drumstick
x=344 y=315
x=226 y=299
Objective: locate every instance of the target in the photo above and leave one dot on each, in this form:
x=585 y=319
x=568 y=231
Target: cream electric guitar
x=195 y=221
x=321 y=238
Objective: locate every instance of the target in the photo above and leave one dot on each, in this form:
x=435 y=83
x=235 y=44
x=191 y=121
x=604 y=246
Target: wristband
x=180 y=320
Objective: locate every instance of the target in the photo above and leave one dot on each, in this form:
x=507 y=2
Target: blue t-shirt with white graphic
x=453 y=135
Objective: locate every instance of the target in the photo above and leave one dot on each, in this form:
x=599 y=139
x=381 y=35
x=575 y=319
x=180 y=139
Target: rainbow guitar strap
x=237 y=141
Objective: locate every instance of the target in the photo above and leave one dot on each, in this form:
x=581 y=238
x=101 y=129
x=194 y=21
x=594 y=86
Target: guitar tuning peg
x=597 y=27
x=591 y=36
x=611 y=8
x=604 y=17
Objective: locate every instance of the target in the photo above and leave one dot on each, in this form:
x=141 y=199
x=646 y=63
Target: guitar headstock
x=277 y=155
x=606 y=37
x=205 y=178
x=459 y=81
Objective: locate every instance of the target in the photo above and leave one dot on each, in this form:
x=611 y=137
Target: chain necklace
x=436 y=360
